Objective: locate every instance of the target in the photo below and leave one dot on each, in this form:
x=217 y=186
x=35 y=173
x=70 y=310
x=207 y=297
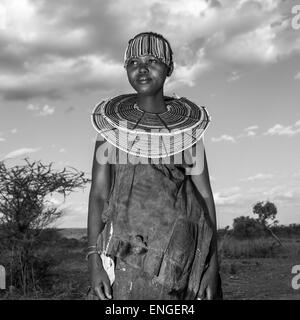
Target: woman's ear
x=170 y=70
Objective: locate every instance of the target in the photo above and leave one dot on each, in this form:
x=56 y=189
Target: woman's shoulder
x=115 y=99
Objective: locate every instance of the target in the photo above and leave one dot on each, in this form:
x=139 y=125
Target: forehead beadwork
x=150 y=43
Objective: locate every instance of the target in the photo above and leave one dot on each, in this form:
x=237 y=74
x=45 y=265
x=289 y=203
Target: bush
x=49 y=236
x=247 y=228
x=34 y=274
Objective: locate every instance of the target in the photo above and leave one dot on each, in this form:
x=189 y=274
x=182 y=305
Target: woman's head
x=150 y=43
x=148 y=61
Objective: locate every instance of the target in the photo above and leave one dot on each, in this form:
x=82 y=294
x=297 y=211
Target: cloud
x=224 y=137
x=284 y=195
x=46 y=110
x=239 y=200
x=251 y=128
x=281 y=130
x=20 y=152
x=255 y=46
x=234 y=76
x=14 y=130
x=228 y=196
x=33 y=107
x=259 y=176
x=1 y=137
x=296 y=174
x=250 y=132
x=54 y=48
x=189 y=73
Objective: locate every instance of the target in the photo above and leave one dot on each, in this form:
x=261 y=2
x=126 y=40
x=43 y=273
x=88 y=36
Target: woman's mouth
x=143 y=80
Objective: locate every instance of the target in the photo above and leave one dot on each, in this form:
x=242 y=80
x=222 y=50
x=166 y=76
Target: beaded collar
x=153 y=135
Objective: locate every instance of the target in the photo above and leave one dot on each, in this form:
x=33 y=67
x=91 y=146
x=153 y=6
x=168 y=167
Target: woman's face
x=146 y=74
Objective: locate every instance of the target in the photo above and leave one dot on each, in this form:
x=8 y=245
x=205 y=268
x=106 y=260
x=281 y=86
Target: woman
x=152 y=217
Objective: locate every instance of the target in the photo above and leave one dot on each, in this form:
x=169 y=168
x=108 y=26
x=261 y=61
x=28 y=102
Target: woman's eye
x=152 y=60
x=133 y=62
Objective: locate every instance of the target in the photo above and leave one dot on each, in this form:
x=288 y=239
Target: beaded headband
x=150 y=43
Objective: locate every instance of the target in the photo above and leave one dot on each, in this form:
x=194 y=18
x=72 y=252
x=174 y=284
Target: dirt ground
x=262 y=278
x=243 y=279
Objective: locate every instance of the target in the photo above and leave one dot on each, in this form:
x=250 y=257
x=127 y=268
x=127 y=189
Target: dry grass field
x=250 y=269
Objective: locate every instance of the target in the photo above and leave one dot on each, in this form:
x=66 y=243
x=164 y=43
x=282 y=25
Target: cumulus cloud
x=46 y=110
x=234 y=76
x=188 y=74
x=20 y=152
x=249 y=132
x=259 y=176
x=223 y=137
x=281 y=130
x=52 y=48
x=251 y=128
x=1 y=137
x=285 y=195
x=228 y=196
x=288 y=196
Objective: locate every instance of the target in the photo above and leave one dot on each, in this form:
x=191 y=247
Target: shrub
x=247 y=228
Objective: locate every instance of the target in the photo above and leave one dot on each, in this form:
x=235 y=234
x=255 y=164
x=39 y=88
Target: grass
x=254 y=248
x=250 y=269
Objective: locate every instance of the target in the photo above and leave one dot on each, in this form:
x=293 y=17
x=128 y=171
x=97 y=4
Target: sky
x=239 y=58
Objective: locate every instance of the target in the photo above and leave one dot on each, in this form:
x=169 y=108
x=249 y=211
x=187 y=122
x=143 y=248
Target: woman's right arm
x=99 y=192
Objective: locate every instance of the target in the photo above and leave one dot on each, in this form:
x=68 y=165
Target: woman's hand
x=209 y=284
x=99 y=279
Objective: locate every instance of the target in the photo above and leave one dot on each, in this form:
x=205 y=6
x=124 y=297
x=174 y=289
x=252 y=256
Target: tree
x=25 y=212
x=266 y=212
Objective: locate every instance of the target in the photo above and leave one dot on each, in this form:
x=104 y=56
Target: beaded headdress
x=150 y=43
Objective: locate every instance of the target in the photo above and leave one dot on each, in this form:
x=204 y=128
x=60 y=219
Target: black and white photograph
x=149 y=150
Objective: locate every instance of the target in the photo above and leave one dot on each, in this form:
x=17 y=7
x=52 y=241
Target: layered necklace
x=153 y=135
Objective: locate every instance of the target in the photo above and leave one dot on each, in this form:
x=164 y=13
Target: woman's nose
x=143 y=68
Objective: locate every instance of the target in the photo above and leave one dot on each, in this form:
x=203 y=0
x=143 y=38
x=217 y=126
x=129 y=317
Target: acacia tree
x=266 y=212
x=25 y=212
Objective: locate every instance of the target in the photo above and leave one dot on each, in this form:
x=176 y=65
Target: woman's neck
x=153 y=104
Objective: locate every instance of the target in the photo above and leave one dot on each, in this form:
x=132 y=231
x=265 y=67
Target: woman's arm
x=201 y=180
x=100 y=187
x=98 y=194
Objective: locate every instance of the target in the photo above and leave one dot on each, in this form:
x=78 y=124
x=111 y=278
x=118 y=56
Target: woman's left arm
x=200 y=177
